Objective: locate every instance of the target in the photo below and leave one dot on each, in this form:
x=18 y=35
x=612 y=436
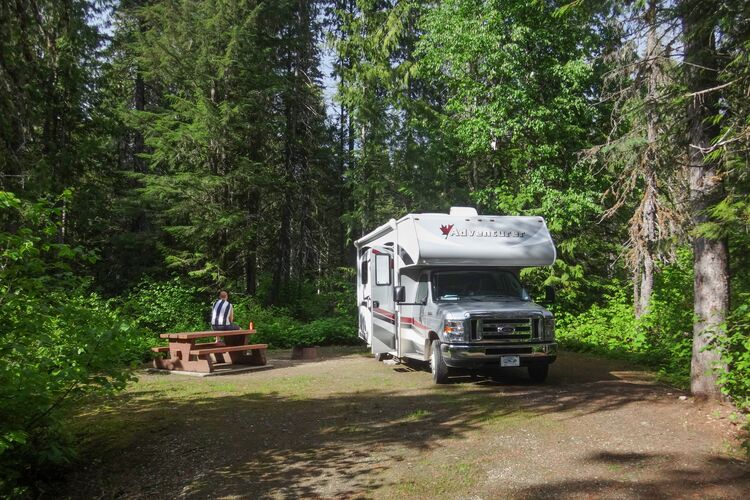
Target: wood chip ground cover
x=345 y=426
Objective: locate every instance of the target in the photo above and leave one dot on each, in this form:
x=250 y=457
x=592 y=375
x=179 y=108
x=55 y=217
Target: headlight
x=454 y=330
x=549 y=328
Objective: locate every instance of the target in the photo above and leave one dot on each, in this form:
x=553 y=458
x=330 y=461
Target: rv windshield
x=476 y=284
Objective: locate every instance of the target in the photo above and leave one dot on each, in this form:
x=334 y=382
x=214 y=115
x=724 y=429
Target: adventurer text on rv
x=445 y=289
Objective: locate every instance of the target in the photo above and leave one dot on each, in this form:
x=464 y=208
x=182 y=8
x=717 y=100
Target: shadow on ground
x=716 y=477
x=260 y=445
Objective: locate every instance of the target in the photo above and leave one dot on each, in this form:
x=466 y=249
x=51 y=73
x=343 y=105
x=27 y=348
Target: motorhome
x=446 y=289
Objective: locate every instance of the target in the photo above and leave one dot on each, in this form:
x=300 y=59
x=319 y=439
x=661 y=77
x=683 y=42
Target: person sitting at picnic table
x=222 y=314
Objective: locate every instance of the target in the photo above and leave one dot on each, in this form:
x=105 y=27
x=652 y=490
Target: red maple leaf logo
x=446 y=230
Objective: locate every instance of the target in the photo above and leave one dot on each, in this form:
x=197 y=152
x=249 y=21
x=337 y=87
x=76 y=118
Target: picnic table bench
x=184 y=354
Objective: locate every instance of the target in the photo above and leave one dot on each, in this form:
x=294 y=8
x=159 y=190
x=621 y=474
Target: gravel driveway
x=346 y=426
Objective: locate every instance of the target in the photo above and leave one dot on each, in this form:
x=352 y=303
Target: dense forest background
x=155 y=151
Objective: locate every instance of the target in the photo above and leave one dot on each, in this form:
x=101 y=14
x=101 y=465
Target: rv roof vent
x=464 y=211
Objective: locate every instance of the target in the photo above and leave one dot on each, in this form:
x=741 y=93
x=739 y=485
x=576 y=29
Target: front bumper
x=489 y=354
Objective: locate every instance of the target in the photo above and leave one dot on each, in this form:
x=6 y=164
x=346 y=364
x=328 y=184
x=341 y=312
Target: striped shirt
x=221 y=312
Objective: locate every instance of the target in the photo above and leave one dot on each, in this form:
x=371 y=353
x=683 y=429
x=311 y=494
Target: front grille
x=509 y=329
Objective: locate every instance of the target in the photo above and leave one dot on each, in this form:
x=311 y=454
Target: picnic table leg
x=258 y=357
x=179 y=352
x=163 y=363
x=234 y=357
x=172 y=360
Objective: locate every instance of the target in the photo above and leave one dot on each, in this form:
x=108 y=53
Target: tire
x=538 y=372
x=438 y=367
x=382 y=356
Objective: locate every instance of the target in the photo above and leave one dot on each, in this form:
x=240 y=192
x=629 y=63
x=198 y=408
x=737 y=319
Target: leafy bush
x=735 y=349
x=58 y=343
x=661 y=339
x=167 y=306
x=735 y=354
x=326 y=331
x=283 y=332
x=339 y=291
x=669 y=324
x=330 y=294
x=609 y=327
x=277 y=328
x=178 y=306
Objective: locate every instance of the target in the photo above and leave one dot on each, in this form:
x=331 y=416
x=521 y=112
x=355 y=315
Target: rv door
x=364 y=296
x=381 y=305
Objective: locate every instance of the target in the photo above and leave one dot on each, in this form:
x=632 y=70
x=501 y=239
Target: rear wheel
x=437 y=365
x=538 y=372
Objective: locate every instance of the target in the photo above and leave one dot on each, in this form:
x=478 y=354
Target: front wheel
x=437 y=365
x=538 y=373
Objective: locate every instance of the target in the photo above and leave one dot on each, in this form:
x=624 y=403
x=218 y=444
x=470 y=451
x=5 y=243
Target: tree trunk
x=645 y=237
x=281 y=271
x=711 y=256
x=250 y=272
x=341 y=206
x=250 y=253
x=139 y=102
x=646 y=286
x=637 y=290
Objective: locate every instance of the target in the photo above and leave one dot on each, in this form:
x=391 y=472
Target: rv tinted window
x=382 y=269
x=421 y=289
x=475 y=284
x=363 y=272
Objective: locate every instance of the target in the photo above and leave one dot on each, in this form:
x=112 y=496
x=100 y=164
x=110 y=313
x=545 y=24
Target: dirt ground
x=346 y=426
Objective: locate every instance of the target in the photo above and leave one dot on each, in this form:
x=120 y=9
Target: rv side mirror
x=399 y=294
x=549 y=294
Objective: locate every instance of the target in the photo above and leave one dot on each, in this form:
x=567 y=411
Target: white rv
x=444 y=288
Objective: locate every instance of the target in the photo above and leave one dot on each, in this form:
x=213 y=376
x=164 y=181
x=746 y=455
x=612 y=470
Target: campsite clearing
x=346 y=426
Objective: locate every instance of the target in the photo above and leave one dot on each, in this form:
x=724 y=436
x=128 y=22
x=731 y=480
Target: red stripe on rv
x=412 y=321
x=404 y=319
x=384 y=312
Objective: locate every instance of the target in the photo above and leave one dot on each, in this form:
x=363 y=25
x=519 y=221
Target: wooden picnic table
x=184 y=354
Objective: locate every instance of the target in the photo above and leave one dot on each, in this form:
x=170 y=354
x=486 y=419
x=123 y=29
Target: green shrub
x=330 y=294
x=661 y=339
x=339 y=291
x=734 y=377
x=283 y=332
x=167 y=306
x=735 y=349
x=326 y=331
x=176 y=306
x=273 y=324
x=609 y=327
x=280 y=330
x=57 y=344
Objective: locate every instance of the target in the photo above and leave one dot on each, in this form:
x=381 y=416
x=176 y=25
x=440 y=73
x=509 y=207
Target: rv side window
x=382 y=269
x=363 y=271
x=422 y=289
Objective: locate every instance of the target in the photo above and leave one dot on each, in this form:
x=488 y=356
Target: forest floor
x=346 y=426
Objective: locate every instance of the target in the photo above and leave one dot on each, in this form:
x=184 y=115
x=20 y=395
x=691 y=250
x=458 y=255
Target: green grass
x=429 y=480
x=418 y=415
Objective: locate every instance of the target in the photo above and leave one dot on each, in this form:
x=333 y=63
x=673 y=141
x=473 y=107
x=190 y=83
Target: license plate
x=510 y=361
